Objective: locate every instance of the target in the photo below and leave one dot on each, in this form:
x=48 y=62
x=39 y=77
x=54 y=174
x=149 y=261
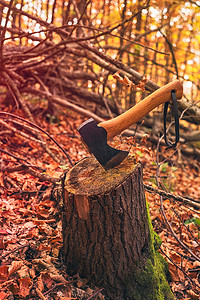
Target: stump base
x=107 y=232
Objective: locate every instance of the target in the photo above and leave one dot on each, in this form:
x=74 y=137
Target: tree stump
x=107 y=232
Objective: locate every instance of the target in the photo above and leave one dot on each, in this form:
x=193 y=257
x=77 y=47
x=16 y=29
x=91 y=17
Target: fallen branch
x=183 y=200
x=19 y=132
x=5 y=114
x=14 y=250
x=63 y=102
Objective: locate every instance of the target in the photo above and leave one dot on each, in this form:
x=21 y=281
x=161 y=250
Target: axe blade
x=95 y=138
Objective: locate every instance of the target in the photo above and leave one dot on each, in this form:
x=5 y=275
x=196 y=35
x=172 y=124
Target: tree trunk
x=107 y=232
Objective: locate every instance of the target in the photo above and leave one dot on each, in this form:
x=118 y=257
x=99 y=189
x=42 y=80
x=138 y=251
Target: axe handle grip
x=134 y=114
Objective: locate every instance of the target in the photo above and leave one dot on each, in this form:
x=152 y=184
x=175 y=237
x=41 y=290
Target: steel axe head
x=95 y=138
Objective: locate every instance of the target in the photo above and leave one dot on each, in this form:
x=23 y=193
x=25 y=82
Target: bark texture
x=107 y=232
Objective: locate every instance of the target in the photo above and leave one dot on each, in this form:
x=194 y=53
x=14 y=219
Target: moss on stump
x=107 y=232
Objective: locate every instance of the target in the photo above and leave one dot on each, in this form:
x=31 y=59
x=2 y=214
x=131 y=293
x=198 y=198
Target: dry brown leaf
x=127 y=81
x=3 y=273
x=23 y=272
x=40 y=283
x=141 y=85
x=118 y=77
x=40 y=294
x=173 y=272
x=2 y=246
x=3 y=296
x=196 y=264
x=25 y=285
x=14 y=288
x=34 y=232
x=15 y=265
x=192 y=294
x=58 y=278
x=47 y=280
x=175 y=256
x=124 y=80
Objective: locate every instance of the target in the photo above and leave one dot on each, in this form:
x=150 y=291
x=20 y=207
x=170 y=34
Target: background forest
x=61 y=63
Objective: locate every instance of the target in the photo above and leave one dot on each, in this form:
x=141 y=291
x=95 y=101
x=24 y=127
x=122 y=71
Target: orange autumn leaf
x=3 y=273
x=47 y=280
x=2 y=246
x=3 y=296
x=38 y=291
x=126 y=81
x=173 y=272
x=16 y=265
x=193 y=295
x=14 y=288
x=25 y=285
x=40 y=283
x=141 y=85
x=118 y=77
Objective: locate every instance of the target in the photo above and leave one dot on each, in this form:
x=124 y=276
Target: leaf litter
x=31 y=229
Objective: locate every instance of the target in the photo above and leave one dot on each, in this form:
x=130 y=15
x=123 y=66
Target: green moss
x=150 y=280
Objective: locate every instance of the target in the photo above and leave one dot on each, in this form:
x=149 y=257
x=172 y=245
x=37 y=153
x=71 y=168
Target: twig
x=10 y=154
x=94 y=294
x=14 y=250
x=11 y=182
x=54 y=287
x=65 y=103
x=192 y=203
x=66 y=34
x=79 y=16
x=174 y=234
x=26 y=127
x=20 y=167
x=186 y=227
x=186 y=275
x=163 y=212
x=29 y=169
x=4 y=31
x=172 y=52
x=15 y=90
x=42 y=177
x=26 y=110
x=38 y=127
x=21 y=133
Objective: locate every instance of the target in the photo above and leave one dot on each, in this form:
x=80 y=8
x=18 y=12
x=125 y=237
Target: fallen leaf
x=3 y=273
x=40 y=283
x=196 y=264
x=38 y=291
x=5 y=232
x=3 y=296
x=25 y=285
x=192 y=294
x=47 y=280
x=15 y=265
x=14 y=288
x=23 y=272
x=2 y=246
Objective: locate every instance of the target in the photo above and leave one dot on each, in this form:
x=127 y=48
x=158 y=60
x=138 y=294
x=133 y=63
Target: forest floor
x=31 y=229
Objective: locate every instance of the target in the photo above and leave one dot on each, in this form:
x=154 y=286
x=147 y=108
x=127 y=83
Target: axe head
x=95 y=138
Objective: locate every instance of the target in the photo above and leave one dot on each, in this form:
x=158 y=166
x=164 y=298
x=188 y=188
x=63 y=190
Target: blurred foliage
x=171 y=28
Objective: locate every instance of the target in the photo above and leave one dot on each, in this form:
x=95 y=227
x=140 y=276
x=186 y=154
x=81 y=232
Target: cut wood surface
x=89 y=177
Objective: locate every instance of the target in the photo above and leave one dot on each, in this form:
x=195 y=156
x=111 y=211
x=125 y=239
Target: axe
x=95 y=136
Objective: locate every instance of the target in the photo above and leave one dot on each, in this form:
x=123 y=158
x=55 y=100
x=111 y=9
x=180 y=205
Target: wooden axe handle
x=134 y=114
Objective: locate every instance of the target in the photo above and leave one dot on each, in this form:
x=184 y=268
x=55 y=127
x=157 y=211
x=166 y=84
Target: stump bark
x=107 y=233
